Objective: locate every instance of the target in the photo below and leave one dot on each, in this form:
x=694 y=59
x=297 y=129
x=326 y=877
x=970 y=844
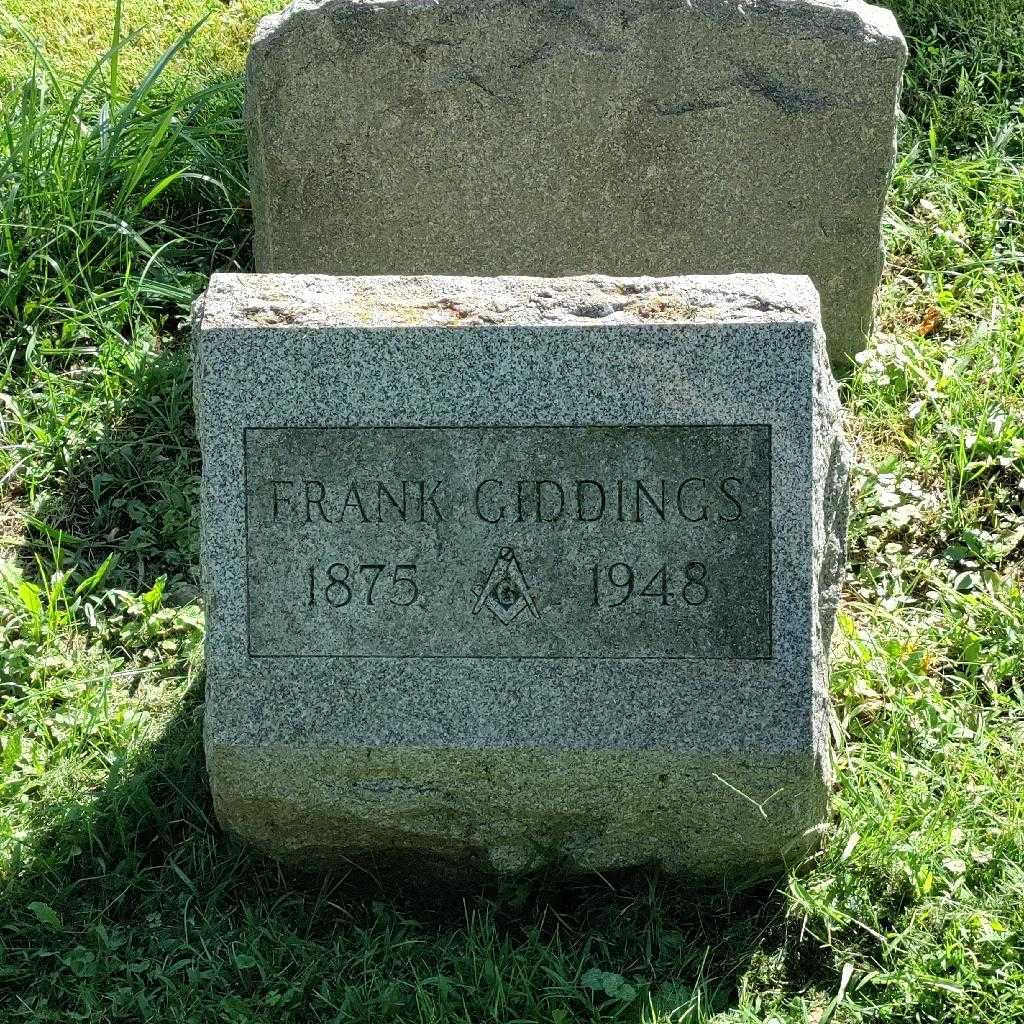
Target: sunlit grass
x=72 y=34
x=118 y=199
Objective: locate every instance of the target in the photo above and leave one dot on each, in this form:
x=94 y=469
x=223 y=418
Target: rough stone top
x=825 y=17
x=316 y=301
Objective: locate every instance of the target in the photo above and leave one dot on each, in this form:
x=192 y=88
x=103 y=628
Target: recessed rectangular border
x=507 y=426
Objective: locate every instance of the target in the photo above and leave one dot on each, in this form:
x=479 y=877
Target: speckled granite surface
x=538 y=137
x=498 y=702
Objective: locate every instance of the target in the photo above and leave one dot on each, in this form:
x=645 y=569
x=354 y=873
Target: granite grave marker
x=510 y=572
x=551 y=137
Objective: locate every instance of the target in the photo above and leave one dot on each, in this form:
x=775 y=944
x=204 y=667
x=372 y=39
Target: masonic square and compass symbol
x=506 y=594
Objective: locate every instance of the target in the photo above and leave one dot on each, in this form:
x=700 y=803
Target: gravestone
x=558 y=137
x=506 y=573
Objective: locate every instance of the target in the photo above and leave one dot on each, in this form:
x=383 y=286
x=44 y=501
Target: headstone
x=514 y=572
x=558 y=137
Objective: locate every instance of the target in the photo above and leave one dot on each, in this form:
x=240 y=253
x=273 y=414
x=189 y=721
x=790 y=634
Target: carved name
x=695 y=500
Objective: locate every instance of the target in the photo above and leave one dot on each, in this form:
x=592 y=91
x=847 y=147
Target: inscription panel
x=511 y=542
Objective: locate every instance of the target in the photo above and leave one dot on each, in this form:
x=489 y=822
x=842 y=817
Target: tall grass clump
x=117 y=198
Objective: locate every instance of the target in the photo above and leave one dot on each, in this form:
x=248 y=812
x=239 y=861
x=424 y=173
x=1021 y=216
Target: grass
x=73 y=34
x=122 y=901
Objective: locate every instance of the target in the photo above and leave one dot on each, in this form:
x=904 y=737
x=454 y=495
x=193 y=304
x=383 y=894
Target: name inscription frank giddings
x=528 y=542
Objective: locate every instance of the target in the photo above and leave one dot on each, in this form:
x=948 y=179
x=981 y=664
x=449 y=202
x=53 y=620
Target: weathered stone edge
x=315 y=803
x=837 y=17
x=385 y=302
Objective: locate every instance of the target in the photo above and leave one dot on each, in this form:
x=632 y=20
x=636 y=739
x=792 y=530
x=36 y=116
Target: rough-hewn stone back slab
x=505 y=574
x=578 y=136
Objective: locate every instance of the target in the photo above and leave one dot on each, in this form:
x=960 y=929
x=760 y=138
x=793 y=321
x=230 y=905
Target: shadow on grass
x=126 y=484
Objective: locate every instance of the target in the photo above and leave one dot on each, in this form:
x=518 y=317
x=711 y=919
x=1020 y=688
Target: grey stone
x=456 y=674
x=550 y=137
